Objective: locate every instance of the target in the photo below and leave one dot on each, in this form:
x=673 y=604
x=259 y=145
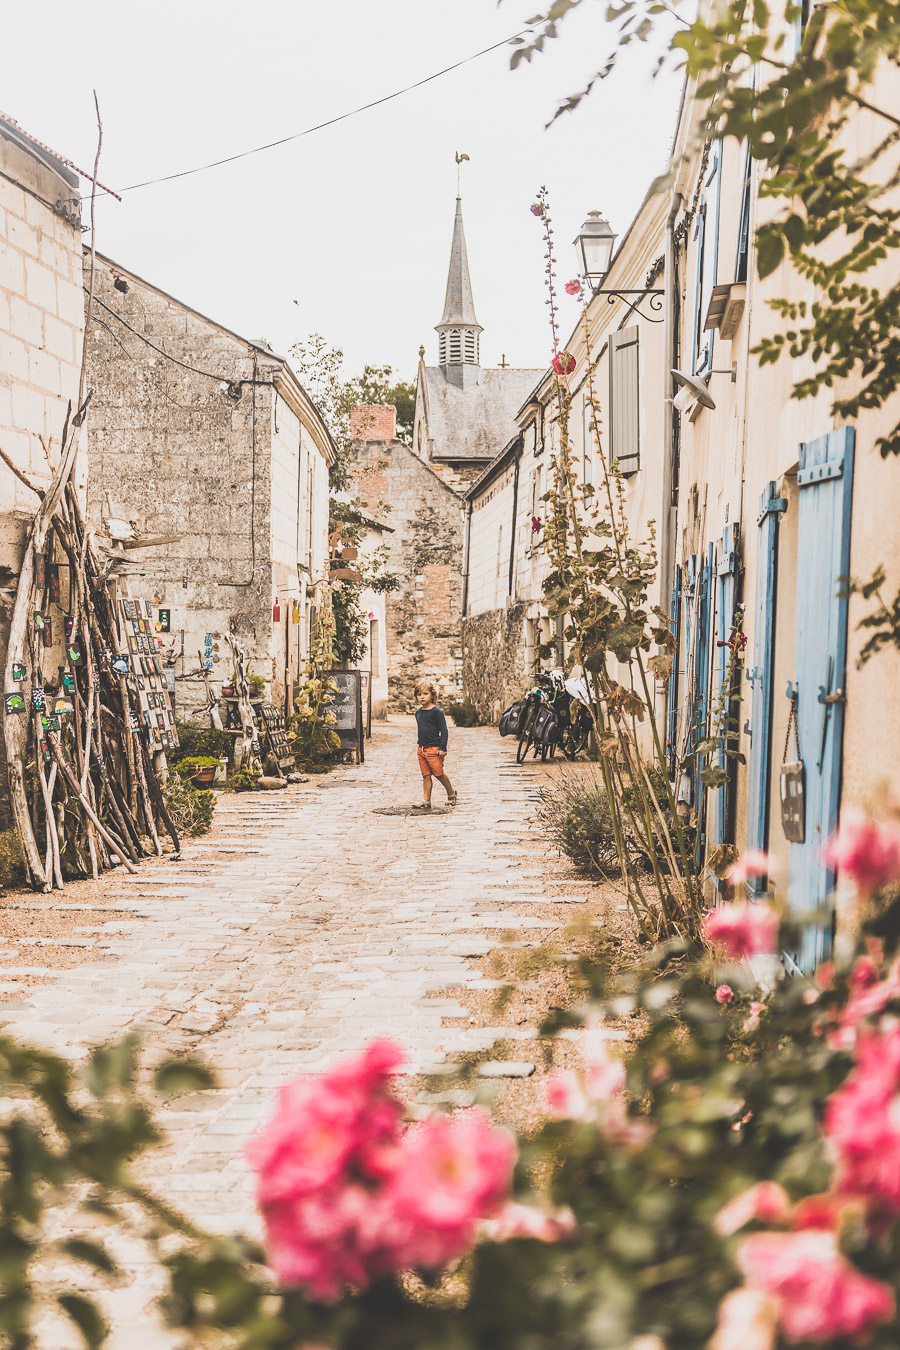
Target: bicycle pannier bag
x=511 y=720
x=546 y=727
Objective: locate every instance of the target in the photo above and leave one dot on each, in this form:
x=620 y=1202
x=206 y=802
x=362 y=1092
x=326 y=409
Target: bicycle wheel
x=575 y=737
x=525 y=734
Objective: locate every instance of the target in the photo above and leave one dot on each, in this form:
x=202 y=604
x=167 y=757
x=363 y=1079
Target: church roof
x=474 y=422
x=459 y=307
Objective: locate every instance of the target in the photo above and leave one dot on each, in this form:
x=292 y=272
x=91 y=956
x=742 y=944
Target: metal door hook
x=793 y=690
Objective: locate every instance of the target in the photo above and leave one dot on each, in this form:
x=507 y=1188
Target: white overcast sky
x=352 y=223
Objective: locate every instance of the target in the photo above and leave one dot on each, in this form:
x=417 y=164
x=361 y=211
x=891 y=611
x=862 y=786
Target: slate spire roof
x=459 y=307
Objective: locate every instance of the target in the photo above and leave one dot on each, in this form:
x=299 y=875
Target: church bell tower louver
x=459 y=331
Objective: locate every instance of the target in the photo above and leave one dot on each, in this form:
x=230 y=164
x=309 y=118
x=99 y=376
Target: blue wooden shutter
x=761 y=675
x=825 y=486
x=743 y=246
x=701 y=690
x=672 y=719
x=726 y=573
x=624 y=421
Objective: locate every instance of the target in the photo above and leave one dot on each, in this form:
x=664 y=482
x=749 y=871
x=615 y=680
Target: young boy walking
x=432 y=739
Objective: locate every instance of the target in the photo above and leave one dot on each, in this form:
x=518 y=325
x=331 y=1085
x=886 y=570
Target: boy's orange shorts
x=430 y=761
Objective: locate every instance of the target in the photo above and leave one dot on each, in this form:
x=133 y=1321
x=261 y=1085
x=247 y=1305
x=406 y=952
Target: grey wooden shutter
x=623 y=400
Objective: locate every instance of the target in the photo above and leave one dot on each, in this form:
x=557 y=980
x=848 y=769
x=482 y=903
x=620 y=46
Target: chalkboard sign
x=346 y=708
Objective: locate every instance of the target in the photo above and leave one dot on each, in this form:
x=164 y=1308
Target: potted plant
x=200 y=769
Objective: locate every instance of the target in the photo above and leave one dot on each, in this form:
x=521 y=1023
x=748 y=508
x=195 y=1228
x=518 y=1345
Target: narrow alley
x=307 y=922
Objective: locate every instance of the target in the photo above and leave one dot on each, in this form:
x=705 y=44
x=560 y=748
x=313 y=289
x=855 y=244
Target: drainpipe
x=667 y=519
x=465 y=578
x=512 y=536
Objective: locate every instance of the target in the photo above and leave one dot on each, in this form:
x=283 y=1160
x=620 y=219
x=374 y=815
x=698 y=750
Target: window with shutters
x=624 y=420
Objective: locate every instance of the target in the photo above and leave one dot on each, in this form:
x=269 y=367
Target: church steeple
x=459 y=330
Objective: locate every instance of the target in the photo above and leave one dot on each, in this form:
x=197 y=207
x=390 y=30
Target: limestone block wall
x=41 y=334
x=425 y=550
x=494 y=659
x=177 y=452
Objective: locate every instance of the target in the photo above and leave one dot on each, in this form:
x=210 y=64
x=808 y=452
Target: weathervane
x=459 y=160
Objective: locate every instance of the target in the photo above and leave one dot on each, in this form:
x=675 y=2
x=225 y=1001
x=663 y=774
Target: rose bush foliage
x=731 y=1181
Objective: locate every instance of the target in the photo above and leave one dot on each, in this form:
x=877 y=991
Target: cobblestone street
x=304 y=924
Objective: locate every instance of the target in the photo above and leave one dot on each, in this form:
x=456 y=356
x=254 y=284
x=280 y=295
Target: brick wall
x=425 y=551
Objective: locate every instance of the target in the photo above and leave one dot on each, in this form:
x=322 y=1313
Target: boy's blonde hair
x=426 y=684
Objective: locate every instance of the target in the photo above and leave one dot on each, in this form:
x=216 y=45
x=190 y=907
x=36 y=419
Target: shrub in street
x=191 y=808
x=463 y=714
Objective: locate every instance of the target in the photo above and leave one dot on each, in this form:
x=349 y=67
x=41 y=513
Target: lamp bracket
x=653 y=296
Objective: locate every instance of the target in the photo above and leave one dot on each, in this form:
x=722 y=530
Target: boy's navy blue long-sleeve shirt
x=432 y=726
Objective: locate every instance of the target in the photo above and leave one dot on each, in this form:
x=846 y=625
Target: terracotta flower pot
x=203 y=777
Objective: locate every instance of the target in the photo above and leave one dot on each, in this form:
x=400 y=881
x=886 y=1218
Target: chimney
x=373 y=422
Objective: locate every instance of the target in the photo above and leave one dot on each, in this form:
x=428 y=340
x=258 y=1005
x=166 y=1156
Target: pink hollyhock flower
x=748 y=1320
x=868 y=851
x=563 y=363
x=724 y=993
x=752 y=1022
x=743 y=928
x=573 y=287
x=766 y=1201
x=564 y=1098
x=753 y=863
x=528 y=1221
x=536 y=524
x=538 y=209
x=820 y=1295
x=861 y=1121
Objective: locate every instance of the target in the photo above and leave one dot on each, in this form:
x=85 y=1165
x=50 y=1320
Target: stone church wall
x=494 y=673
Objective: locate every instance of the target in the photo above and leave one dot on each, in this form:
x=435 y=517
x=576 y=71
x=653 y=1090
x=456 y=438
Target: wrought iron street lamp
x=594 y=243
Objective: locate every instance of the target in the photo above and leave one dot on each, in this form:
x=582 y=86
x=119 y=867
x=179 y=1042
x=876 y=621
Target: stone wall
x=494 y=673
x=41 y=332
x=180 y=453
x=425 y=551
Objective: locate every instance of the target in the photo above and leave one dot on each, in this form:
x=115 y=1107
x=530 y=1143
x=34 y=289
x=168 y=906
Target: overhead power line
x=332 y=121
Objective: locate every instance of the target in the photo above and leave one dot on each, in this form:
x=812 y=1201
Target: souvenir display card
x=157 y=716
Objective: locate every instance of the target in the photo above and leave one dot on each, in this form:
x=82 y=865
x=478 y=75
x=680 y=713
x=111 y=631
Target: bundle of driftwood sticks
x=82 y=785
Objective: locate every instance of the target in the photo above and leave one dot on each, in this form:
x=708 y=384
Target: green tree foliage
x=320 y=368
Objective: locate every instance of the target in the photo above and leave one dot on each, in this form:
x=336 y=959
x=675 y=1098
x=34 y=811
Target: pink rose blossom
x=765 y=1201
x=604 y=1071
x=748 y=1320
x=564 y=1097
x=724 y=993
x=753 y=863
x=528 y=1221
x=867 y=851
x=821 y=1296
x=453 y=1169
x=756 y=1009
x=861 y=1121
x=742 y=928
x=573 y=287
x=348 y=1194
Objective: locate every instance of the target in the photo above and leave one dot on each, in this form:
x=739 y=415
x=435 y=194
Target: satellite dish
x=692 y=389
